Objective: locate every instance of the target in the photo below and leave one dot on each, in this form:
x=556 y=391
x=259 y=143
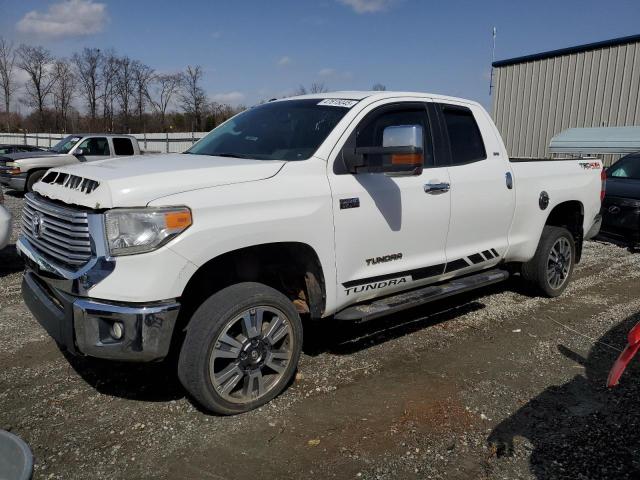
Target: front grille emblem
x=37 y=225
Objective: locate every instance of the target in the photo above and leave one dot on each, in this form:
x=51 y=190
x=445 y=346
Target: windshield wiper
x=230 y=155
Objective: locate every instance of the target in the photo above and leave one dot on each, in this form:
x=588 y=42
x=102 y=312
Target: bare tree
x=318 y=87
x=315 y=87
x=7 y=84
x=142 y=76
x=37 y=63
x=125 y=87
x=63 y=90
x=192 y=95
x=379 y=87
x=87 y=64
x=108 y=70
x=164 y=88
x=301 y=90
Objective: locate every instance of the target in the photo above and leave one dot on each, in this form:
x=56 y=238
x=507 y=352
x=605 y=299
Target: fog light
x=117 y=330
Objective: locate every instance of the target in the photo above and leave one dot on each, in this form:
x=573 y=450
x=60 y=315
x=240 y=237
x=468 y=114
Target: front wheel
x=241 y=349
x=33 y=178
x=552 y=265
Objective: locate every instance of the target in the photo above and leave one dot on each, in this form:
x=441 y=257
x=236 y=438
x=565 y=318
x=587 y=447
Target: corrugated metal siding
x=534 y=100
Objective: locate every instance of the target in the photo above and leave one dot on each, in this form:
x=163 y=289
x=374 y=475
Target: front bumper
x=84 y=326
x=16 y=182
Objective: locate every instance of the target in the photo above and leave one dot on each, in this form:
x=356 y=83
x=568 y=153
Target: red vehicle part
x=633 y=345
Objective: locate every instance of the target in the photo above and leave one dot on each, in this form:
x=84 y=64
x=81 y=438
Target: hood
x=623 y=188
x=136 y=181
x=12 y=157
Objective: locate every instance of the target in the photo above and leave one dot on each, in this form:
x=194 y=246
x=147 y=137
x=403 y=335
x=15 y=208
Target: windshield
x=66 y=144
x=626 y=167
x=287 y=130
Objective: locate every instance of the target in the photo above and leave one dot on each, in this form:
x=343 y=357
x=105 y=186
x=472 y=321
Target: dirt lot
x=497 y=384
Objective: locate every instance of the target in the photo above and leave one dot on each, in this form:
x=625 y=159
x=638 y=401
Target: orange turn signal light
x=178 y=220
x=406 y=159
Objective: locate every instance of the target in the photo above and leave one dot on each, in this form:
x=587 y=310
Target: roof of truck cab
x=101 y=135
x=378 y=95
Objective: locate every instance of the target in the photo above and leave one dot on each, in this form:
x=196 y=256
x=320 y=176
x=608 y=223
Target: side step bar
x=402 y=301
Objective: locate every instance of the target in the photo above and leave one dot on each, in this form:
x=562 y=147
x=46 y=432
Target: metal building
x=538 y=96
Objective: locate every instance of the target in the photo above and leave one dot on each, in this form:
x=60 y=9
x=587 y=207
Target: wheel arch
x=569 y=215
x=293 y=268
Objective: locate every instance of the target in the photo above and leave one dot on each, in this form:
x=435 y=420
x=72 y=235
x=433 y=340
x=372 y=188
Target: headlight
x=140 y=230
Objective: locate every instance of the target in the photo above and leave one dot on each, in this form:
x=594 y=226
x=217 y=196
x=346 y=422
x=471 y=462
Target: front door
x=390 y=234
x=94 y=148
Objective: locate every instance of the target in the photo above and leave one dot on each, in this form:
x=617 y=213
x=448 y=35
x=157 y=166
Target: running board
x=401 y=301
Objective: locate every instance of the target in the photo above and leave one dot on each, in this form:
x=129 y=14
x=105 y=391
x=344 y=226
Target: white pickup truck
x=20 y=171
x=343 y=206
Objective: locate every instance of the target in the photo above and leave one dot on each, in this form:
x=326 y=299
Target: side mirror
x=401 y=153
x=79 y=152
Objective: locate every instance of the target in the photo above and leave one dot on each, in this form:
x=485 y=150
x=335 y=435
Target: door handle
x=436 y=187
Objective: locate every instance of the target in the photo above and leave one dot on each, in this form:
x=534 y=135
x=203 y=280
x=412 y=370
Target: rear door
x=389 y=233
x=482 y=195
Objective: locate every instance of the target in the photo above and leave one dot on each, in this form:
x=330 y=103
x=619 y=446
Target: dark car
x=621 y=205
x=5 y=149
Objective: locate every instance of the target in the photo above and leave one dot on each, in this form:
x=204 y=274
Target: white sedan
x=5 y=223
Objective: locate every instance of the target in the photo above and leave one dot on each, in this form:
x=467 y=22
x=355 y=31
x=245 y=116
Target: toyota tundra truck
x=337 y=207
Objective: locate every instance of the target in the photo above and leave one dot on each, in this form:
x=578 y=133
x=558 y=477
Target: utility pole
x=493 y=58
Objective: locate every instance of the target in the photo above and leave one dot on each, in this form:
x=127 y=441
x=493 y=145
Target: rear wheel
x=241 y=348
x=33 y=178
x=552 y=266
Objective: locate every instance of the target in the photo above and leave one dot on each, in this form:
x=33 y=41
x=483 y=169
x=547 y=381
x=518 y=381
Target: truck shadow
x=155 y=382
x=579 y=429
x=158 y=382
x=344 y=338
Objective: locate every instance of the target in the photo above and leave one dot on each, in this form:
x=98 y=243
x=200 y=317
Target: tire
x=33 y=178
x=227 y=363
x=537 y=271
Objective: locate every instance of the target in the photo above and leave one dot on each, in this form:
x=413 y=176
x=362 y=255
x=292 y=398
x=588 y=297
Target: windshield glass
x=66 y=144
x=287 y=130
x=627 y=167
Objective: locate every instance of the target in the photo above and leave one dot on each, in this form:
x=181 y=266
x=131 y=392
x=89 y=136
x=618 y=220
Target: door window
x=96 y=146
x=370 y=132
x=465 y=139
x=123 y=146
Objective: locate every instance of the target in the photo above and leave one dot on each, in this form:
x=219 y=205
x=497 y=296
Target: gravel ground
x=495 y=384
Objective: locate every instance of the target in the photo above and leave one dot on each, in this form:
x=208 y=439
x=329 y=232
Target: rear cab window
x=122 y=146
x=465 y=140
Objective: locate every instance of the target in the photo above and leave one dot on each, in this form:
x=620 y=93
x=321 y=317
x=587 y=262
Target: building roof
x=566 y=51
x=598 y=140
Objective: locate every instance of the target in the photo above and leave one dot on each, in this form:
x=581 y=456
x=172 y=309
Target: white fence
x=149 y=142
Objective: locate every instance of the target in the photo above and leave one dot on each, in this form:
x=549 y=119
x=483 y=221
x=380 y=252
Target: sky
x=253 y=50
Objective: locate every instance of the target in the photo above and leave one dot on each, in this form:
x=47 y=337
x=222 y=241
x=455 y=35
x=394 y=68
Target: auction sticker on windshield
x=338 y=102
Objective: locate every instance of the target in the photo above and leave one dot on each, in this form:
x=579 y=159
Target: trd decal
x=375 y=286
x=384 y=259
x=590 y=165
x=349 y=203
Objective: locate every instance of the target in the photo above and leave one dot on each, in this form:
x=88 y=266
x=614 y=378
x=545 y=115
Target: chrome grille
x=60 y=233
